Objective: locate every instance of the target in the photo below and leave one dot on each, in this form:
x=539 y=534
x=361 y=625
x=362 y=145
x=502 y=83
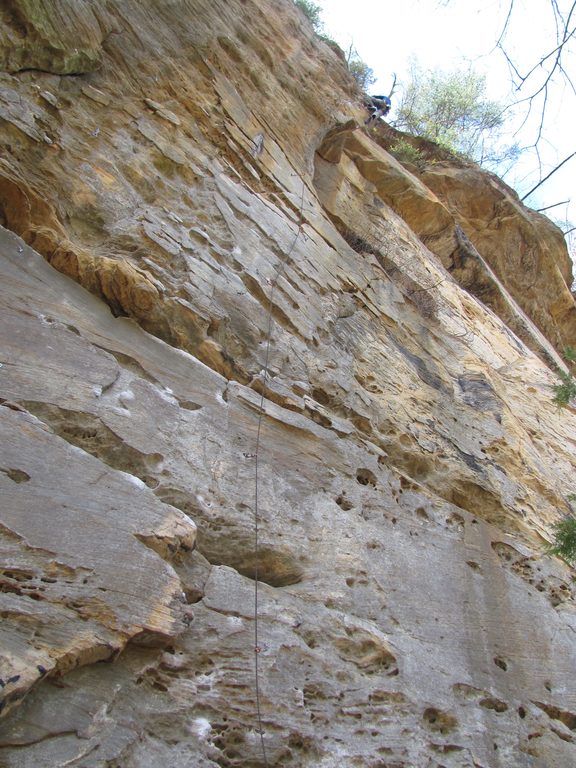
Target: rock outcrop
x=506 y=245
x=210 y=271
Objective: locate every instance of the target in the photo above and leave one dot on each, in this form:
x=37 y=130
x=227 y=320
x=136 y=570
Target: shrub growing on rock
x=566 y=390
x=565 y=539
x=361 y=72
x=313 y=12
x=405 y=152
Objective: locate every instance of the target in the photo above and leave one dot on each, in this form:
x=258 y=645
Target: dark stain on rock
x=431 y=378
x=477 y=392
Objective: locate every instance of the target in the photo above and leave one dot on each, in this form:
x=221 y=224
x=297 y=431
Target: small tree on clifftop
x=360 y=71
x=451 y=109
x=313 y=11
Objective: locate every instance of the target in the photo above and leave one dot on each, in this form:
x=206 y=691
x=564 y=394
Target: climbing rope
x=257 y=648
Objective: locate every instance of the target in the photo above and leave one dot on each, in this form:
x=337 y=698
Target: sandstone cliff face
x=507 y=248
x=172 y=177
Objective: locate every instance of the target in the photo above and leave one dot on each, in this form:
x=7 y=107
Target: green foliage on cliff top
x=361 y=72
x=313 y=12
x=453 y=110
x=406 y=152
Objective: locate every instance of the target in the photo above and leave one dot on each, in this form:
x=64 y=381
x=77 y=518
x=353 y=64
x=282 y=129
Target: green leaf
x=565 y=539
x=451 y=109
x=313 y=12
x=566 y=391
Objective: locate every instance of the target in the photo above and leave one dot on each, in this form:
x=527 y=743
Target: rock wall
x=204 y=256
x=507 y=248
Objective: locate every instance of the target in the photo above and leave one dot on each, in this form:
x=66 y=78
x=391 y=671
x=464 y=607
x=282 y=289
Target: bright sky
x=450 y=34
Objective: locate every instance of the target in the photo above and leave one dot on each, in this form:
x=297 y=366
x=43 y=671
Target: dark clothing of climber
x=378 y=106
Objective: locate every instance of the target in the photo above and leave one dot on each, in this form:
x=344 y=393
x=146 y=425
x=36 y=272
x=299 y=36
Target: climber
x=379 y=106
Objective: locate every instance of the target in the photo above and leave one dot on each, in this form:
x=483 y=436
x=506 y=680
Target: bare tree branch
x=536 y=82
x=550 y=63
x=555 y=205
x=548 y=176
x=505 y=27
x=511 y=64
x=557 y=50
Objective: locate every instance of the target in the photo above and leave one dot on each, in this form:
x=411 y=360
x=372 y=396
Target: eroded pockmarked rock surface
x=411 y=460
x=85 y=550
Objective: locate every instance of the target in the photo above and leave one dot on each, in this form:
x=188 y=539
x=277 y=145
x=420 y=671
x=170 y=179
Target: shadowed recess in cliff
x=89 y=433
x=223 y=543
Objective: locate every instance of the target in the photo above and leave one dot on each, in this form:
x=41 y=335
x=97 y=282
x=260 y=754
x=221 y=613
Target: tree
x=313 y=11
x=360 y=71
x=537 y=71
x=533 y=84
x=565 y=538
x=565 y=529
x=451 y=109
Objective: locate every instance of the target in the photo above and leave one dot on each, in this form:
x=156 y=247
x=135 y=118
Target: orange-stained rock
x=524 y=249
